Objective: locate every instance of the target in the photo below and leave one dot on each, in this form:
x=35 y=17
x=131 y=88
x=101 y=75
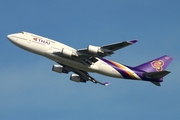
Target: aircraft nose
x=12 y=38
x=9 y=37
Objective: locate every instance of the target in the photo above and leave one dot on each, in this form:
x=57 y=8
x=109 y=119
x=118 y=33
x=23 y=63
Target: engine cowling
x=75 y=78
x=67 y=52
x=94 y=49
x=59 y=69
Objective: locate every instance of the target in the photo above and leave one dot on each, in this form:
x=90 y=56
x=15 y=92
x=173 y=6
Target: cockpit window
x=22 y=32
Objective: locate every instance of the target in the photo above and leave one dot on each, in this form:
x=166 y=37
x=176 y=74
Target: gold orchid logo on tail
x=158 y=65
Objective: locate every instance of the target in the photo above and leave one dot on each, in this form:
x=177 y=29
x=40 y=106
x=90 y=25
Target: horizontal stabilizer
x=156 y=83
x=156 y=75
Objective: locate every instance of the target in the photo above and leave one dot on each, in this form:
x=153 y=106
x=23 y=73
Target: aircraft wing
x=105 y=50
x=119 y=45
x=83 y=75
x=87 y=55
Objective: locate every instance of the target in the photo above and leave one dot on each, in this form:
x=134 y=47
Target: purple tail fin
x=155 y=65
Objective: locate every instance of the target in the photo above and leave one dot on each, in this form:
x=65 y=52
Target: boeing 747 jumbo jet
x=91 y=59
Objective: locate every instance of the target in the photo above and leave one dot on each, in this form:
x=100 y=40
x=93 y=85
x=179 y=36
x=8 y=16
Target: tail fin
x=155 y=65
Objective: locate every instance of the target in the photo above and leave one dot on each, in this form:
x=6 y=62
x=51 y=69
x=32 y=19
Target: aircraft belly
x=108 y=70
x=98 y=67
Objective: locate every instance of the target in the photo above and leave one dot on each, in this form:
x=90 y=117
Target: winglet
x=133 y=41
x=107 y=83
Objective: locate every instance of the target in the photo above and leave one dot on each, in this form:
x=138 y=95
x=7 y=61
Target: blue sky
x=30 y=90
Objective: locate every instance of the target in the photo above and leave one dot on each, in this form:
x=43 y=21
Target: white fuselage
x=45 y=47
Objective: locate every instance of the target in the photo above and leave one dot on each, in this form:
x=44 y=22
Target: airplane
x=91 y=59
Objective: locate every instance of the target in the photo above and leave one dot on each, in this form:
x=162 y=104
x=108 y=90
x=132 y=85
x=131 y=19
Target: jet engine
x=68 y=53
x=75 y=78
x=94 y=49
x=59 y=69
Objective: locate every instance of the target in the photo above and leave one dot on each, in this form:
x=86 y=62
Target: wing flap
x=95 y=81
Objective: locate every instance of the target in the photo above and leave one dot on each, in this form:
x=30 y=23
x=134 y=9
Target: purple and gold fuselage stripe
x=124 y=69
x=121 y=69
